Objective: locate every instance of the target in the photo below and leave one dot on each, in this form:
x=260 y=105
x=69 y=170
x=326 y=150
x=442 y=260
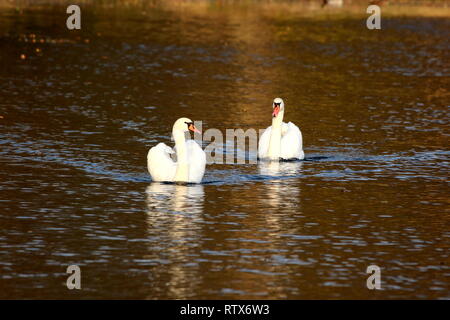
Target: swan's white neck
x=182 y=172
x=275 y=137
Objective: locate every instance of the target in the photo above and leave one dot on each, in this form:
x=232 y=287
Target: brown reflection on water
x=78 y=115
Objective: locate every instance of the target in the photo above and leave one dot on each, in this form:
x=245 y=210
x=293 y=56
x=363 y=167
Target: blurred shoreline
x=437 y=8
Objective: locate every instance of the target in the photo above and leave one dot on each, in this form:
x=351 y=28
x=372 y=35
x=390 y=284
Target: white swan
x=280 y=140
x=191 y=159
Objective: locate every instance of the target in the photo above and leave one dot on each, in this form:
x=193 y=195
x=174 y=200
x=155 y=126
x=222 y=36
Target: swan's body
x=281 y=140
x=191 y=159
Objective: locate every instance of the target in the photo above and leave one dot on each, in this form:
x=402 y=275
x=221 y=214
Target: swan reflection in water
x=282 y=191
x=281 y=169
x=182 y=200
x=281 y=185
x=174 y=223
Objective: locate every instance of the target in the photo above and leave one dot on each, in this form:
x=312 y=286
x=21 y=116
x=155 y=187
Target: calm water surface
x=80 y=112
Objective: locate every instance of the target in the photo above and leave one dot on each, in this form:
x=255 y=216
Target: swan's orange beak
x=275 y=111
x=193 y=128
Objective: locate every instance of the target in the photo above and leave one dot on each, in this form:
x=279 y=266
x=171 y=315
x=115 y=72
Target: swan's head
x=184 y=125
x=278 y=105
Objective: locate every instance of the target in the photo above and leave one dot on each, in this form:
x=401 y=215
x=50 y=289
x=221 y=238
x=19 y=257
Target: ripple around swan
x=351 y=165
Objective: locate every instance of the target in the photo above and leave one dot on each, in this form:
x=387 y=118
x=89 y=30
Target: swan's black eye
x=189 y=123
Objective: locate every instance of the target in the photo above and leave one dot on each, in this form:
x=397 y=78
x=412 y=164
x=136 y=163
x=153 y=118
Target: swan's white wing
x=197 y=161
x=263 y=145
x=160 y=166
x=291 y=142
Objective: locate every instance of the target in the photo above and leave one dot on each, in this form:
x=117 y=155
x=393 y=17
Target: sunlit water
x=79 y=115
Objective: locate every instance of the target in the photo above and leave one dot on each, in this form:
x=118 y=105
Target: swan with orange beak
x=191 y=159
x=280 y=141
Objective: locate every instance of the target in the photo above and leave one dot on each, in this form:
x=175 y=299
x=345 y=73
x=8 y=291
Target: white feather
x=291 y=142
x=160 y=165
x=281 y=140
x=197 y=161
x=263 y=145
x=192 y=167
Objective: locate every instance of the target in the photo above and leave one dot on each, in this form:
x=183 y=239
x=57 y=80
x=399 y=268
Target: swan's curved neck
x=275 y=137
x=182 y=172
x=278 y=120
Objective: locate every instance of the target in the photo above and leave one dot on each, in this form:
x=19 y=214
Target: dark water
x=79 y=115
